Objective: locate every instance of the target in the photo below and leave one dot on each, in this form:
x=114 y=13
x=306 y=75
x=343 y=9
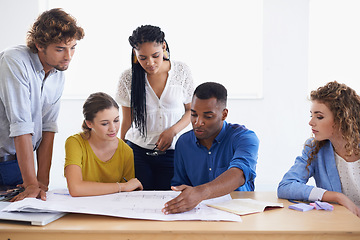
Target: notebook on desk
x=39 y=218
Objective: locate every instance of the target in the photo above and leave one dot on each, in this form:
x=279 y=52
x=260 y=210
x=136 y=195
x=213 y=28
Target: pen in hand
x=134 y=183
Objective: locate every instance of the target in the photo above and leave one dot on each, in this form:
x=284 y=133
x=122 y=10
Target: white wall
x=334 y=47
x=279 y=119
x=16 y=18
x=196 y=40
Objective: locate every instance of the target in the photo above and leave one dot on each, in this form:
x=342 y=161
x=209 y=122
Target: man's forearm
x=25 y=158
x=224 y=184
x=44 y=156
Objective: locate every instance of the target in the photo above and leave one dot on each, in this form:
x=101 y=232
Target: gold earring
x=166 y=54
x=135 y=60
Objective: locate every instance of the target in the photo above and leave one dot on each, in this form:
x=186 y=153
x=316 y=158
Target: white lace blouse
x=349 y=173
x=161 y=113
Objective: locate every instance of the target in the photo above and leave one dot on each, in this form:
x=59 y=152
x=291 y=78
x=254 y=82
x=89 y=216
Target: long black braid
x=145 y=33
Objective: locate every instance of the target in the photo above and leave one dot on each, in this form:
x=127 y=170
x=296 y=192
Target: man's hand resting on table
x=189 y=198
x=31 y=191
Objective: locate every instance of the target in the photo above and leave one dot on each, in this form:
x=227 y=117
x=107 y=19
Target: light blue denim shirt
x=28 y=103
x=323 y=169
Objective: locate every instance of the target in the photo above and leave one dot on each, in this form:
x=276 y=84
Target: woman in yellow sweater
x=97 y=162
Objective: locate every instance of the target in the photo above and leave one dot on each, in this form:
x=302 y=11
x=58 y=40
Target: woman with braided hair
x=155 y=95
x=332 y=156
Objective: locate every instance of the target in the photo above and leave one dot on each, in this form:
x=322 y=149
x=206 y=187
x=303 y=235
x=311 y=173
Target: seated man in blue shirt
x=31 y=85
x=216 y=157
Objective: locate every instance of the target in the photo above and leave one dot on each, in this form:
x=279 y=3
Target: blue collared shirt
x=28 y=103
x=234 y=146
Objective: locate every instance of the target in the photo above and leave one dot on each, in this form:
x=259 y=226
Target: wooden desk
x=272 y=224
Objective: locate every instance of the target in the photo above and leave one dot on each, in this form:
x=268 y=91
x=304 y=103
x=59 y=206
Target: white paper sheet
x=138 y=205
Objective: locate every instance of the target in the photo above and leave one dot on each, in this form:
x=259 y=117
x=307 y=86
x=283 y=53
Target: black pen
x=293 y=201
x=125 y=179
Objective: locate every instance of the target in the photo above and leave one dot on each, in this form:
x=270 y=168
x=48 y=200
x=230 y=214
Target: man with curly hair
x=31 y=85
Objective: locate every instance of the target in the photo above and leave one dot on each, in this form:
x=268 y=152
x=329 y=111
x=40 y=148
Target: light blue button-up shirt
x=28 y=103
x=323 y=169
x=235 y=146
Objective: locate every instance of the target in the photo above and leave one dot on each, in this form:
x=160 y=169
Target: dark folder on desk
x=39 y=218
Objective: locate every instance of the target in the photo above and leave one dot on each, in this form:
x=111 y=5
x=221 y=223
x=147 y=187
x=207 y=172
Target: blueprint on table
x=137 y=204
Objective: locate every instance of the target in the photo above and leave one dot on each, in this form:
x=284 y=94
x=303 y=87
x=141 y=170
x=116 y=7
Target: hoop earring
x=135 y=60
x=166 y=55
